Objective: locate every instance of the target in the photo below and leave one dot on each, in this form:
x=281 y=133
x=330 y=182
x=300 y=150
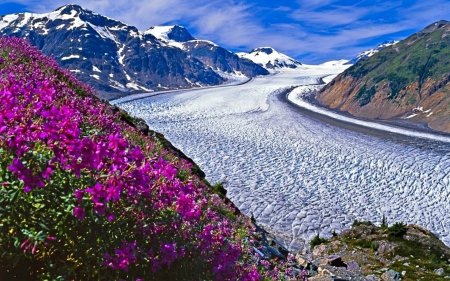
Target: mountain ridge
x=112 y=56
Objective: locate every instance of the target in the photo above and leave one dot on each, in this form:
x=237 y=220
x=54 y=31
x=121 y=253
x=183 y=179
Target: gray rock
x=385 y=247
x=372 y=278
x=403 y=273
x=353 y=265
x=274 y=252
x=301 y=260
x=335 y=260
x=391 y=275
x=439 y=271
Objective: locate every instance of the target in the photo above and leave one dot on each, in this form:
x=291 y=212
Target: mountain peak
x=68 y=9
x=266 y=50
x=170 y=33
x=269 y=58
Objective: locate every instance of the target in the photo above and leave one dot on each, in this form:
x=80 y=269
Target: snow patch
x=70 y=57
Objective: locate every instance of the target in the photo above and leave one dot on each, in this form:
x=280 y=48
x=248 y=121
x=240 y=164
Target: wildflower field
x=85 y=196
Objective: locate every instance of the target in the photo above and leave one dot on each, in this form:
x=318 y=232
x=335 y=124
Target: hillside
x=408 y=80
x=89 y=193
x=116 y=58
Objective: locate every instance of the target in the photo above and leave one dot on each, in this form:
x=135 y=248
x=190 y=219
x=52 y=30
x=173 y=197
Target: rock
x=372 y=278
x=274 y=252
x=353 y=265
x=439 y=271
x=324 y=272
x=391 y=275
x=321 y=278
x=403 y=273
x=335 y=260
x=319 y=251
x=301 y=260
x=385 y=247
x=261 y=254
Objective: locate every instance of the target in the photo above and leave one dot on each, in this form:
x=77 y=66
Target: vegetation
x=398 y=229
x=317 y=241
x=357 y=223
x=424 y=55
x=86 y=195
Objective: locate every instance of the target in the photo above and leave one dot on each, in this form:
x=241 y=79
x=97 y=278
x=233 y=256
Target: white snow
x=274 y=60
x=298 y=175
x=95 y=76
x=6 y=20
x=94 y=68
x=103 y=32
x=70 y=57
x=372 y=52
x=161 y=33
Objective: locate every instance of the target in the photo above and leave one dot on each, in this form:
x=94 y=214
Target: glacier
x=300 y=175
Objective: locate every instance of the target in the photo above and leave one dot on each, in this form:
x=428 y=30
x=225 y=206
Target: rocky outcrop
x=408 y=80
x=365 y=252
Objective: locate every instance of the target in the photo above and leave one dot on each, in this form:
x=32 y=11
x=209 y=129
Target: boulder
x=439 y=271
x=372 y=278
x=385 y=247
x=335 y=260
x=301 y=260
x=324 y=272
x=319 y=251
x=353 y=265
x=275 y=253
x=391 y=275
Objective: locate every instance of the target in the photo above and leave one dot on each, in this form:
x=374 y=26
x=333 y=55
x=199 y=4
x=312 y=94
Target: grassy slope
x=414 y=72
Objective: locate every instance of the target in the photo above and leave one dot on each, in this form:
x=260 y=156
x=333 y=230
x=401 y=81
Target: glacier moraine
x=299 y=176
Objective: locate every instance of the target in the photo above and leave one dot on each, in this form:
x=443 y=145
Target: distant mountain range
x=269 y=58
x=112 y=56
x=408 y=80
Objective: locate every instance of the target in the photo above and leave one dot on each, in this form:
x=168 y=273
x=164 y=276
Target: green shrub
x=397 y=230
x=358 y=223
x=317 y=241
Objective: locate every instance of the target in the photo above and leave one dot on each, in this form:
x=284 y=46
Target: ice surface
x=300 y=176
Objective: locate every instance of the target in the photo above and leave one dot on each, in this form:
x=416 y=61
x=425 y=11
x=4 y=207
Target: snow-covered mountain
x=270 y=59
x=371 y=52
x=208 y=52
x=112 y=56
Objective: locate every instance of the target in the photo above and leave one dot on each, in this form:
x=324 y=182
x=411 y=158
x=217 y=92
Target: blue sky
x=311 y=31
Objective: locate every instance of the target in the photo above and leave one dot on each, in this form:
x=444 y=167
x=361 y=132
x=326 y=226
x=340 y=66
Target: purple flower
x=99 y=208
x=79 y=213
x=79 y=195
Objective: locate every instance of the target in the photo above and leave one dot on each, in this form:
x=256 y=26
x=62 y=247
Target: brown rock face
x=409 y=80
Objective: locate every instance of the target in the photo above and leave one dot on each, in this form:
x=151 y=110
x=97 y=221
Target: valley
x=297 y=175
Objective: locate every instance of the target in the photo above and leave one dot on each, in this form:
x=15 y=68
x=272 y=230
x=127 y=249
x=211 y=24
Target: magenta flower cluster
x=51 y=124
